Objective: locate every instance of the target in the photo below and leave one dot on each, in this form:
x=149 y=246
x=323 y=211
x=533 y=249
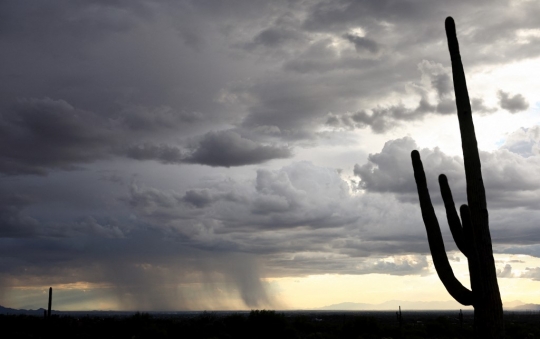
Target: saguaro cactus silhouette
x=50 y=303
x=399 y=318
x=471 y=233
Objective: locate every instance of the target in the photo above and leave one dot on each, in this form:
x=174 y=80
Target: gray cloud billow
x=381 y=120
x=512 y=188
x=404 y=30
x=40 y=135
x=274 y=37
x=163 y=153
x=531 y=273
x=302 y=219
x=512 y=104
x=509 y=177
x=362 y=43
x=228 y=148
x=435 y=79
x=525 y=141
x=217 y=149
x=17 y=223
x=13 y=222
x=391 y=169
x=505 y=272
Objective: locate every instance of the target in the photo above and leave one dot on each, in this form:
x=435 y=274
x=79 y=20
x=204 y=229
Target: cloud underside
x=39 y=135
x=216 y=149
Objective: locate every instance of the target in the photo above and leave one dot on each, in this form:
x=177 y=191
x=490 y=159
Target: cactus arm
x=435 y=240
x=451 y=214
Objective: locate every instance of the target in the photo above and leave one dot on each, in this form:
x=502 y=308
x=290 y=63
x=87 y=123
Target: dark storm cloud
x=88 y=226
x=228 y=148
x=39 y=134
x=163 y=153
x=199 y=199
x=204 y=197
x=117 y=74
x=17 y=222
x=13 y=223
x=362 y=43
x=512 y=104
x=274 y=37
x=142 y=119
x=151 y=69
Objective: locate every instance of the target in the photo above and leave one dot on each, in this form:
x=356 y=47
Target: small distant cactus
x=471 y=233
x=399 y=318
x=460 y=317
x=50 y=303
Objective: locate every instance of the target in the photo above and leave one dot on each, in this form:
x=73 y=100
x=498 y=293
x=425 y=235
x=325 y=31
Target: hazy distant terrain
x=419 y=305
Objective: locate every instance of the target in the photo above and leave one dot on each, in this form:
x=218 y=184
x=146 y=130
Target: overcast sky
x=207 y=154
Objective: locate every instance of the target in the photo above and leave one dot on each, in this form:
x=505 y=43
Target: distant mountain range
x=527 y=307
x=419 y=305
x=6 y=310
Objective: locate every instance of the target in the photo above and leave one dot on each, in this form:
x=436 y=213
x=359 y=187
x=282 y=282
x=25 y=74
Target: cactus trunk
x=471 y=234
